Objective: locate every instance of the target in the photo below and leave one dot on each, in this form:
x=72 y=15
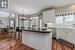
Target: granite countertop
x=38 y=31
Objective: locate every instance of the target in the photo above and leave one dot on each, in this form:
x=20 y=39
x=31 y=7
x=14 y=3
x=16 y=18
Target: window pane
x=69 y=19
x=59 y=19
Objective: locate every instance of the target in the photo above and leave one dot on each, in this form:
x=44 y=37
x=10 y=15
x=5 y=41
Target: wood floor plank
x=9 y=46
x=7 y=43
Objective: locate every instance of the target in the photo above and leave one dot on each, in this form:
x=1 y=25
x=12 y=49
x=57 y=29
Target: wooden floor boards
x=11 y=45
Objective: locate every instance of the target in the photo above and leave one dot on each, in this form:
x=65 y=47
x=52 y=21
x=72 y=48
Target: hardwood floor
x=7 y=42
x=24 y=47
x=13 y=45
x=59 y=44
x=13 y=41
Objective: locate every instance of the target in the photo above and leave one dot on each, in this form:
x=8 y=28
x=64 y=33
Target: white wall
x=39 y=41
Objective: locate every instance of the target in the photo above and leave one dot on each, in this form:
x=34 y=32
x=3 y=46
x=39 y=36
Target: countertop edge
x=39 y=31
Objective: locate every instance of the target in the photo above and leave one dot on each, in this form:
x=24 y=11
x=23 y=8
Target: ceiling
x=34 y=6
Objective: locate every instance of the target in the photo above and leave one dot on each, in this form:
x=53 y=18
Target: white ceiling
x=34 y=6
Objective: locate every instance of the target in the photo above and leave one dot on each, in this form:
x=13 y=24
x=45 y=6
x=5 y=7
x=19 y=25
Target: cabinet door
x=48 y=16
x=61 y=34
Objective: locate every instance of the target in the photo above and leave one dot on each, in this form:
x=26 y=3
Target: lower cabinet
x=58 y=45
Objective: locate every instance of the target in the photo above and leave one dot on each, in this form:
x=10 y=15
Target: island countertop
x=38 y=31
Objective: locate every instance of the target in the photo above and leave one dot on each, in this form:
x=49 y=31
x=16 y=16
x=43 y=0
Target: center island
x=40 y=40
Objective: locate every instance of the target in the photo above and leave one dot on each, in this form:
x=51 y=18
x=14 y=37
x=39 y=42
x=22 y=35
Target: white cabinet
x=66 y=34
x=49 y=16
x=39 y=41
x=61 y=34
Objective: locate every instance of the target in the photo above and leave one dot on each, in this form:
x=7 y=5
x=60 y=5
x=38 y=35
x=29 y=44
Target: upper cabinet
x=49 y=16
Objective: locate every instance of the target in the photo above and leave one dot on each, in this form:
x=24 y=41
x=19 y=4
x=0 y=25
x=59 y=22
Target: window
x=3 y=3
x=69 y=19
x=26 y=24
x=59 y=19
